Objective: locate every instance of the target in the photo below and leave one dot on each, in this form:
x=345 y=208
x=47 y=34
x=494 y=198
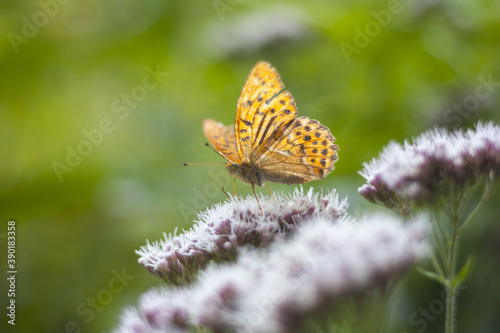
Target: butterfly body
x=268 y=143
x=247 y=173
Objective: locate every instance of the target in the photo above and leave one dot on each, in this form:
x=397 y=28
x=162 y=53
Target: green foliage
x=63 y=76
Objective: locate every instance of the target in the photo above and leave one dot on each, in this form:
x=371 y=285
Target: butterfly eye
x=234 y=166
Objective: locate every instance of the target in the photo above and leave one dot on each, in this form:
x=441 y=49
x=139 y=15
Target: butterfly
x=268 y=143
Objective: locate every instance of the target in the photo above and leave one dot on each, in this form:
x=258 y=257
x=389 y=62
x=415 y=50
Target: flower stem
x=450 y=286
x=484 y=199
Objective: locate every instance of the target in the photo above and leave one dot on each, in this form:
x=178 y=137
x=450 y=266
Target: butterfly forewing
x=222 y=138
x=279 y=115
x=260 y=89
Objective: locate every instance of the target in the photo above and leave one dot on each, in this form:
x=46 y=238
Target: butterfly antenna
x=209 y=146
x=215 y=150
x=186 y=164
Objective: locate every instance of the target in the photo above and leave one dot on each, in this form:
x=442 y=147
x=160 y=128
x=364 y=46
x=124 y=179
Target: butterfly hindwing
x=305 y=152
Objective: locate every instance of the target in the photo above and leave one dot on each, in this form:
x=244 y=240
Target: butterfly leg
x=271 y=193
x=253 y=190
x=224 y=185
x=234 y=185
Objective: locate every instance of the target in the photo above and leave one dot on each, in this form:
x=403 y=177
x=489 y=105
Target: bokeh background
x=372 y=71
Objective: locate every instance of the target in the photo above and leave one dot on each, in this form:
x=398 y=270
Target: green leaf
x=432 y=275
x=463 y=274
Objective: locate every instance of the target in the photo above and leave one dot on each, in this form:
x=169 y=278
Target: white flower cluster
x=276 y=289
x=433 y=165
x=252 y=31
x=222 y=230
x=161 y=311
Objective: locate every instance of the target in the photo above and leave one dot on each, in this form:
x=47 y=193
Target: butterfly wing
x=222 y=138
x=263 y=108
x=305 y=151
x=285 y=149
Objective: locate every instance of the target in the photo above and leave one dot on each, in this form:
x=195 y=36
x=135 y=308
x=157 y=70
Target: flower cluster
x=221 y=231
x=434 y=165
x=163 y=310
x=276 y=289
x=253 y=31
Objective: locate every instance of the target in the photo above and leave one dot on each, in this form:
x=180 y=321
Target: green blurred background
x=70 y=68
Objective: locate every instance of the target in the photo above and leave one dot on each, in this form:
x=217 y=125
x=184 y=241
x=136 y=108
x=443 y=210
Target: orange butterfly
x=268 y=143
